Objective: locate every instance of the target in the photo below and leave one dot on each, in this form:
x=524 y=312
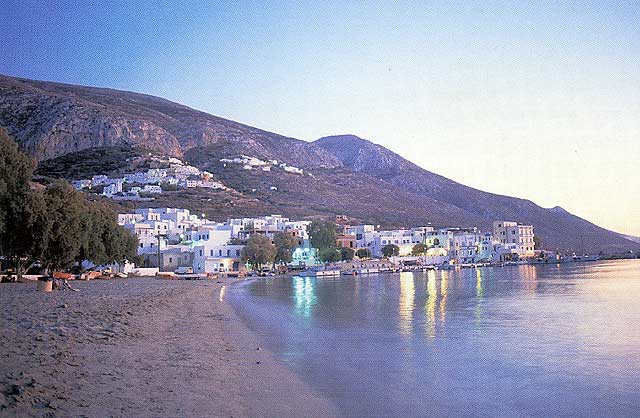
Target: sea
x=517 y=341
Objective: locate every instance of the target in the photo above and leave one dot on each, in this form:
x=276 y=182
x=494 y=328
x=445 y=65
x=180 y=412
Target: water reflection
x=430 y=305
x=407 y=302
x=477 y=313
x=479 y=289
x=443 y=295
x=304 y=295
x=380 y=339
x=529 y=275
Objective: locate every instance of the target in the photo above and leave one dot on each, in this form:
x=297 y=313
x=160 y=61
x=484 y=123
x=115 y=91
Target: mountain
x=631 y=238
x=557 y=227
x=76 y=130
x=53 y=119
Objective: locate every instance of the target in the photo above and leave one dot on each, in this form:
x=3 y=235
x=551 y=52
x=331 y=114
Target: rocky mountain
x=76 y=129
x=53 y=119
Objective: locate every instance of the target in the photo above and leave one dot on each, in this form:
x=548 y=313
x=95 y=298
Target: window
x=211 y=253
x=170 y=260
x=141 y=245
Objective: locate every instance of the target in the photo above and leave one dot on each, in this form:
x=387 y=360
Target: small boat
x=327 y=273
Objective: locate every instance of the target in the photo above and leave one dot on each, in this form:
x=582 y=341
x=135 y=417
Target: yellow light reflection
x=443 y=293
x=479 y=289
x=529 y=275
x=479 y=296
x=407 y=302
x=430 y=306
x=222 y=291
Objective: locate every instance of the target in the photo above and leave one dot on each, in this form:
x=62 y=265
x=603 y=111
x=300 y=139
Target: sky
x=539 y=100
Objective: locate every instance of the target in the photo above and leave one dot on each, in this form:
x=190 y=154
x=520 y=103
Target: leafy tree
x=285 y=243
x=56 y=226
x=419 y=249
x=22 y=233
x=103 y=240
x=259 y=251
x=363 y=253
x=390 y=250
x=537 y=242
x=322 y=234
x=329 y=254
x=66 y=209
x=346 y=253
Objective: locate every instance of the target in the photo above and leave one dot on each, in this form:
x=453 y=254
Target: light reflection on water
x=407 y=297
x=305 y=297
x=531 y=341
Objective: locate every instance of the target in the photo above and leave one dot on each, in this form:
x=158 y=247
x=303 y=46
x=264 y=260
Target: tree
x=419 y=249
x=346 y=253
x=363 y=253
x=322 y=234
x=103 y=240
x=329 y=254
x=537 y=242
x=390 y=250
x=259 y=251
x=66 y=212
x=22 y=231
x=285 y=243
x=56 y=226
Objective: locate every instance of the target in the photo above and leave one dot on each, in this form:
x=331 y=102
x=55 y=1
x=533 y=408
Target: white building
x=99 y=180
x=149 y=188
x=112 y=189
x=508 y=232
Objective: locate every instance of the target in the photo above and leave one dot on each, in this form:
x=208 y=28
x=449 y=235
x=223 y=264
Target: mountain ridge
x=349 y=175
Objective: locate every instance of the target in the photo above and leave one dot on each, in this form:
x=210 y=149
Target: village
x=176 y=240
x=164 y=174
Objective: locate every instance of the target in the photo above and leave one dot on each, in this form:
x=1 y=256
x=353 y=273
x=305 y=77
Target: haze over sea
x=522 y=341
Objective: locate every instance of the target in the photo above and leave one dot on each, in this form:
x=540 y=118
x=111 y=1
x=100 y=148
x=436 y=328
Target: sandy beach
x=139 y=347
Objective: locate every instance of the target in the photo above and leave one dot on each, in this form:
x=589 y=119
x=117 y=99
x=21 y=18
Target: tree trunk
x=19 y=270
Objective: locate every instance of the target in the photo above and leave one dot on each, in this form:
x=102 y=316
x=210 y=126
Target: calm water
x=526 y=341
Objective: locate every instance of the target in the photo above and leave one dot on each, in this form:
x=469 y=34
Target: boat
x=326 y=273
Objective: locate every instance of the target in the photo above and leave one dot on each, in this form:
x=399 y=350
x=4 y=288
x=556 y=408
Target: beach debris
x=258 y=362
x=258 y=349
x=64 y=305
x=14 y=390
x=62 y=284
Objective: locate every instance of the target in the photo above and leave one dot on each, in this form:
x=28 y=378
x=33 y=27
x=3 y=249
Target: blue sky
x=538 y=100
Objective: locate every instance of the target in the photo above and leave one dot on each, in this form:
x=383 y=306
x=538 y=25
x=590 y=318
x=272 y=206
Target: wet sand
x=139 y=347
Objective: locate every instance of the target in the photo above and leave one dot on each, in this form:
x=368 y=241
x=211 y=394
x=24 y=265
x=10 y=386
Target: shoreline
x=140 y=347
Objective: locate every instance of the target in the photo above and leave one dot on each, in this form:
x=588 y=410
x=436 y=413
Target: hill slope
x=52 y=119
x=61 y=124
x=557 y=227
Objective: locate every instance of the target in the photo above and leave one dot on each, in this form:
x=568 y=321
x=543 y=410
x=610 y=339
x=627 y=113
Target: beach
x=139 y=347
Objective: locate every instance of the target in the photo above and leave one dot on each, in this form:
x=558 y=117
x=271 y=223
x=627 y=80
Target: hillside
x=76 y=131
x=53 y=119
x=557 y=227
